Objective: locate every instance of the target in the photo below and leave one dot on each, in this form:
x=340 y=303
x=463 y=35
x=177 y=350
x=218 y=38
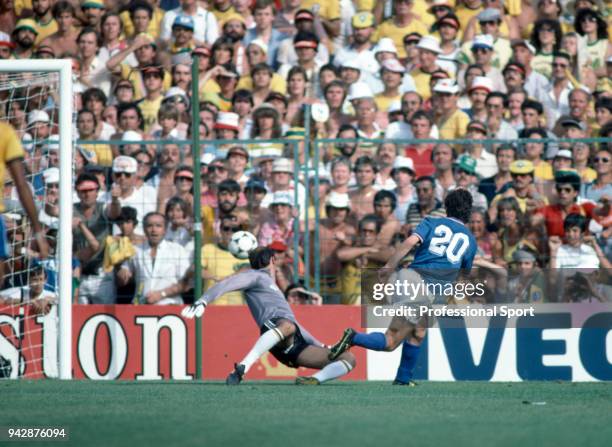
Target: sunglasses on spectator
x=437 y=9
x=184 y=179
x=214 y=168
x=488 y=22
x=601 y=159
x=564 y=189
x=228 y=229
x=123 y=174
x=591 y=19
x=480 y=50
x=143 y=163
x=411 y=41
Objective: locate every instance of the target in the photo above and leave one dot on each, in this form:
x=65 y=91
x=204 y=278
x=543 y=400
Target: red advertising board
x=151 y=342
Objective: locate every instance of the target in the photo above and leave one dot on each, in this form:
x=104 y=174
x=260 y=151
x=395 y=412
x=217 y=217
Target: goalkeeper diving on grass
x=444 y=248
x=281 y=334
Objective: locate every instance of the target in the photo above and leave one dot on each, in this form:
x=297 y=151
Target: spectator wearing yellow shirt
x=582 y=152
x=546 y=38
x=222 y=9
x=145 y=50
x=534 y=152
x=391 y=74
x=257 y=53
x=402 y=23
x=149 y=106
x=219 y=263
x=429 y=49
x=467 y=10
x=451 y=121
x=143 y=16
x=86 y=126
x=45 y=23
x=329 y=13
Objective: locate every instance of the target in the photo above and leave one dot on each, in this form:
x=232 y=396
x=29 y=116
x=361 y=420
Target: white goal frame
x=64 y=69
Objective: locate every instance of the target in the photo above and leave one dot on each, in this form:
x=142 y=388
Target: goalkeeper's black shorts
x=286 y=354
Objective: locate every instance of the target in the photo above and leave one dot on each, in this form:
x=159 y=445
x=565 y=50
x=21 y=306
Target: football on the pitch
x=242 y=243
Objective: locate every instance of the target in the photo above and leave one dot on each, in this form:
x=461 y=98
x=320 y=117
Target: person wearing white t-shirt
x=575 y=254
x=34 y=293
x=124 y=175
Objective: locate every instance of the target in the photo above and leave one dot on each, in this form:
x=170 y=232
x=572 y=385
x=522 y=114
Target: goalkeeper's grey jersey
x=264 y=298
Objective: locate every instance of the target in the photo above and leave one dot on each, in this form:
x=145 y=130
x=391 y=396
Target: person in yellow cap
x=361 y=48
x=522 y=189
x=45 y=23
x=24 y=35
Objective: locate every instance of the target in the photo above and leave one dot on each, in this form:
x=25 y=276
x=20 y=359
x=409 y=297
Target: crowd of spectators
x=390 y=70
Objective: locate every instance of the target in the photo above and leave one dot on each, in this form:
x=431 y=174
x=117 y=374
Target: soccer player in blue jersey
x=445 y=246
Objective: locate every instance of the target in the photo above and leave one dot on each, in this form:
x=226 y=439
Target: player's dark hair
x=260 y=257
x=371 y=218
x=458 y=204
x=575 y=220
x=384 y=194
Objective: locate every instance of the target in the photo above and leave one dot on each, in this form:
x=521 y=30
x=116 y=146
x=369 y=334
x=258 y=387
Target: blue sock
x=375 y=341
x=410 y=355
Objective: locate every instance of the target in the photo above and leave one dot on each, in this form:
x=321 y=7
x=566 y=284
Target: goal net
x=36 y=294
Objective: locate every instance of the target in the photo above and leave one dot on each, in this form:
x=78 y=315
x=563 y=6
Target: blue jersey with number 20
x=447 y=246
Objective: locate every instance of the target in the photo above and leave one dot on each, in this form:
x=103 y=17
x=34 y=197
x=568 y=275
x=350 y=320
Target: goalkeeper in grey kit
x=281 y=334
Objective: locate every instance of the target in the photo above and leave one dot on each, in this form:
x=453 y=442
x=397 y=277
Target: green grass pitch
x=347 y=414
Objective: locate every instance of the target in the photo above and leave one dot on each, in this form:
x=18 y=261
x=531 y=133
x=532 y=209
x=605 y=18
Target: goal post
x=63 y=70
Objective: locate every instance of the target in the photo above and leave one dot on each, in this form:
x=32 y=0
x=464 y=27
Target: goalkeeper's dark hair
x=260 y=257
x=458 y=204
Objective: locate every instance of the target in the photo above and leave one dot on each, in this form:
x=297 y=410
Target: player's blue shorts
x=4 y=245
x=287 y=354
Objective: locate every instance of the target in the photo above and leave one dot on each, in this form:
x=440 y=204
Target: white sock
x=266 y=342
x=333 y=371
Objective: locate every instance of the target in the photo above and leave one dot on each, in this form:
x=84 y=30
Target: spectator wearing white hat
x=281 y=227
x=6 y=46
x=124 y=180
x=477 y=92
x=403 y=174
x=282 y=180
x=451 y=121
x=49 y=213
x=361 y=48
x=490 y=21
x=39 y=124
x=392 y=74
x=401 y=23
x=429 y=49
x=334 y=232
x=482 y=51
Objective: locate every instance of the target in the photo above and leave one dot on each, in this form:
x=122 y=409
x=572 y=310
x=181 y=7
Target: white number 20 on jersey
x=452 y=244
